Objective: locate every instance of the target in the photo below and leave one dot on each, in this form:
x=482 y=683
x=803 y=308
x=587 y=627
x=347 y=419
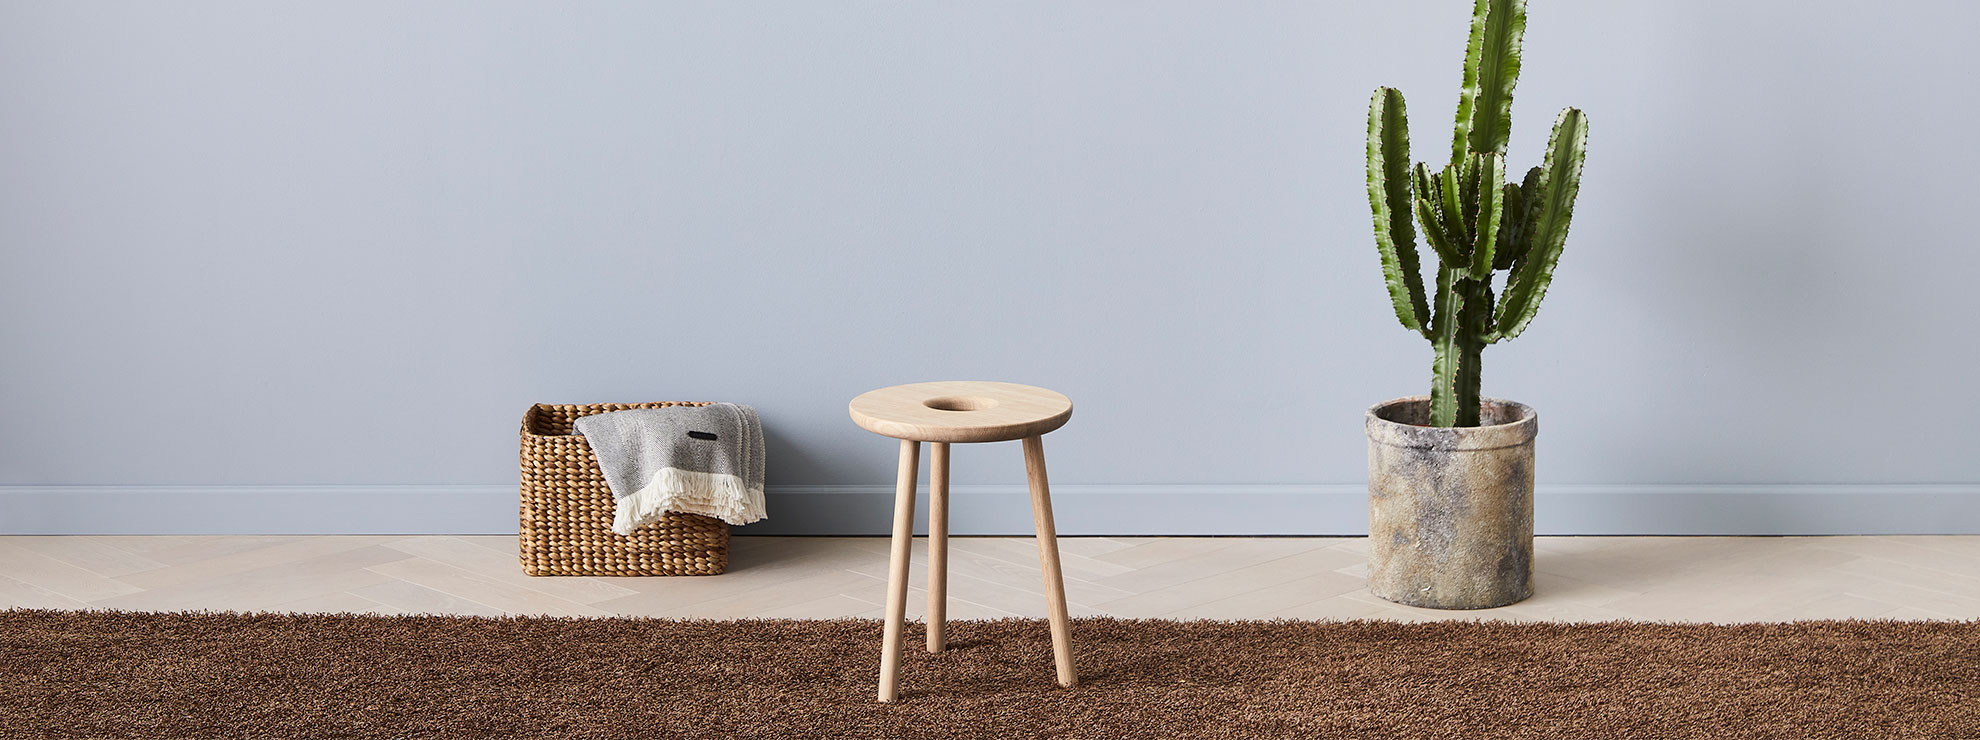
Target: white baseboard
x=1004 y=510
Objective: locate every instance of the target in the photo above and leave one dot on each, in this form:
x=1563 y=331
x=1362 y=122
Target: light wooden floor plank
x=1002 y=579
x=227 y=561
x=257 y=589
x=20 y=562
x=347 y=602
x=1708 y=579
x=494 y=590
x=1293 y=593
x=1224 y=584
x=17 y=595
x=393 y=596
x=93 y=554
x=1235 y=554
x=816 y=586
x=503 y=567
x=1144 y=552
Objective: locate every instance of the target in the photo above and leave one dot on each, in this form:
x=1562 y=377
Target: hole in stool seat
x=960 y=403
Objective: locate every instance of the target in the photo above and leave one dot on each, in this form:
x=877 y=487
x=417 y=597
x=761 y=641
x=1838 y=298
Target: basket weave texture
x=567 y=509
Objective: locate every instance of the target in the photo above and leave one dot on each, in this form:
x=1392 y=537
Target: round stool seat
x=961 y=411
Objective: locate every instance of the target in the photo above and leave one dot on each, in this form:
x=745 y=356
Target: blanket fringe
x=725 y=497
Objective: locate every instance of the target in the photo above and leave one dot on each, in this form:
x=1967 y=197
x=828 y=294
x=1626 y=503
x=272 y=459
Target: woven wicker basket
x=567 y=510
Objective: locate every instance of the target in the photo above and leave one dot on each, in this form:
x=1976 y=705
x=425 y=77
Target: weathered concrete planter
x=1450 y=510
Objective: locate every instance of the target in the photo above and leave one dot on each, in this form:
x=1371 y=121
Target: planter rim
x=1525 y=425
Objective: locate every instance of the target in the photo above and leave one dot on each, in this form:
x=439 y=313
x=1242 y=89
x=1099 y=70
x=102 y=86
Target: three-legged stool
x=962 y=411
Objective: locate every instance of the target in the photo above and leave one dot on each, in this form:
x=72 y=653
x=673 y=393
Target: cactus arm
x=1452 y=208
x=1430 y=187
x=1433 y=232
x=1468 y=198
x=1490 y=211
x=1474 y=50
x=1534 y=186
x=1424 y=185
x=1491 y=71
x=1559 y=183
x=1518 y=224
x=1503 y=246
x=1445 y=326
x=1390 y=198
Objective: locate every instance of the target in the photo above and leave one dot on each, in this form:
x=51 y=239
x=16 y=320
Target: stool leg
x=938 y=546
x=897 y=570
x=1048 y=558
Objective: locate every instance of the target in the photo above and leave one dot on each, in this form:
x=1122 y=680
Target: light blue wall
x=347 y=243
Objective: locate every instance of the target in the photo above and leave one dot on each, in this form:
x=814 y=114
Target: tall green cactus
x=1476 y=219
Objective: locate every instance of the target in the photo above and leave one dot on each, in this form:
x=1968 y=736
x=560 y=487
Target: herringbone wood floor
x=1716 y=579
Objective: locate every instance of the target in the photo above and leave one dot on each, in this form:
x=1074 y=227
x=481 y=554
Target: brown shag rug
x=143 y=675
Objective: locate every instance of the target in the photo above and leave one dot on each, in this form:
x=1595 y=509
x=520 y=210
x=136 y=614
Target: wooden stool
x=961 y=411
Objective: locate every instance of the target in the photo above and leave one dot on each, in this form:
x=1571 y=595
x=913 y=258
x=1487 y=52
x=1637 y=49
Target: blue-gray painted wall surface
x=280 y=244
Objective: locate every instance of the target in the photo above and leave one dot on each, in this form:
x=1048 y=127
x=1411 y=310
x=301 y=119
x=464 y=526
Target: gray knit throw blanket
x=704 y=460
